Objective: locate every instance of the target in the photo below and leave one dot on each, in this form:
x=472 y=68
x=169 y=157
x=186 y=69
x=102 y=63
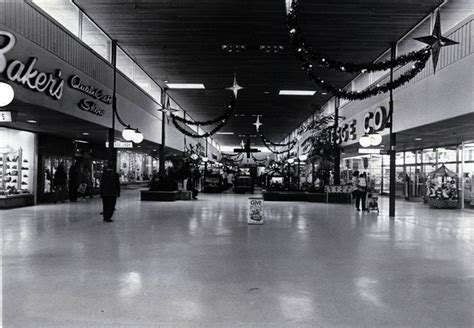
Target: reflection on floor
x=198 y=264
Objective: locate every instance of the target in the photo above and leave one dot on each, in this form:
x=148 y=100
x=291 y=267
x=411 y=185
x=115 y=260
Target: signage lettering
x=345 y=132
x=91 y=107
x=6 y=48
x=34 y=80
x=375 y=121
x=120 y=144
x=6 y=117
x=76 y=83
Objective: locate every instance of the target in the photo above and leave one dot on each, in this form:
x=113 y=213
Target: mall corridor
x=198 y=264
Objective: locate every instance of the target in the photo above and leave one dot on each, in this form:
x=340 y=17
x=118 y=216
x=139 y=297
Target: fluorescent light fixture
x=186 y=86
x=225 y=133
x=296 y=92
x=85 y=133
x=81 y=141
x=32 y=121
x=418 y=139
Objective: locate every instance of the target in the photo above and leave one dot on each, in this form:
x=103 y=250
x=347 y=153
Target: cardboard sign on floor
x=255 y=210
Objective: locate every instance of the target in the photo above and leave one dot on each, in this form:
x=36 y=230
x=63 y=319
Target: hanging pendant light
x=137 y=137
x=365 y=141
x=375 y=139
x=128 y=133
x=303 y=157
x=6 y=94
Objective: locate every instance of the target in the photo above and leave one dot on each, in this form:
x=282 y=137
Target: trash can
x=255 y=210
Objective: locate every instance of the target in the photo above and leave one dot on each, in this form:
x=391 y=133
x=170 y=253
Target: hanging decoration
x=258 y=124
x=235 y=86
x=268 y=144
x=259 y=161
x=307 y=56
x=167 y=108
x=221 y=120
x=436 y=41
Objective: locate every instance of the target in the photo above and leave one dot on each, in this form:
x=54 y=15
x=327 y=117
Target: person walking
x=361 y=192
x=191 y=186
x=73 y=182
x=59 y=183
x=109 y=191
x=87 y=181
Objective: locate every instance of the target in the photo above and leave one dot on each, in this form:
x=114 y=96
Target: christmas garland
x=306 y=55
x=222 y=119
x=193 y=135
x=258 y=160
x=266 y=140
x=276 y=152
x=228 y=113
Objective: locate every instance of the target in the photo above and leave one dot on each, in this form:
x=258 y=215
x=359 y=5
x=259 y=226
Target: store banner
x=255 y=210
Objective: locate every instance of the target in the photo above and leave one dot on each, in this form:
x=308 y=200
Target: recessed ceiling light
x=418 y=139
x=186 y=86
x=85 y=133
x=266 y=92
x=80 y=141
x=32 y=121
x=297 y=92
x=324 y=93
x=165 y=81
x=223 y=132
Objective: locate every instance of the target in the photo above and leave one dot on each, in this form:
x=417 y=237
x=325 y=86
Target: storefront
x=413 y=170
x=18 y=169
x=135 y=166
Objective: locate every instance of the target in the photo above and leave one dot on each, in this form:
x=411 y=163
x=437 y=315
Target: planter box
x=160 y=196
x=443 y=203
x=316 y=197
x=339 y=197
x=285 y=196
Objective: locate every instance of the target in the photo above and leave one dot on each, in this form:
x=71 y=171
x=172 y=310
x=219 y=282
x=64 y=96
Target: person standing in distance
x=109 y=191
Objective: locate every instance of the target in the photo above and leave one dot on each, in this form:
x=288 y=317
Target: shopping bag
x=82 y=188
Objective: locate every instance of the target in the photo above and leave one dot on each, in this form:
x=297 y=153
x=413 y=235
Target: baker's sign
x=25 y=73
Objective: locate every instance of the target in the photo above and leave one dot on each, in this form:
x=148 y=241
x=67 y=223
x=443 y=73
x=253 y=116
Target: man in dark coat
x=109 y=191
x=59 y=183
x=73 y=182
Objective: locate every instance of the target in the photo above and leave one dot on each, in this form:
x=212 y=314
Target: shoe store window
x=17 y=168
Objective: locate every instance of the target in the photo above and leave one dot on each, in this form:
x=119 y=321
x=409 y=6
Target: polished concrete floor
x=198 y=264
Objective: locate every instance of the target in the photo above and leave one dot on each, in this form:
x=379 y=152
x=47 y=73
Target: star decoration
x=235 y=87
x=168 y=108
x=257 y=123
x=436 y=41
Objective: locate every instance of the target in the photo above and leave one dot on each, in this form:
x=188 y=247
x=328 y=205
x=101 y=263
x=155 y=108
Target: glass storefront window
x=50 y=164
x=134 y=166
x=17 y=162
x=399 y=159
x=124 y=63
x=447 y=155
x=429 y=156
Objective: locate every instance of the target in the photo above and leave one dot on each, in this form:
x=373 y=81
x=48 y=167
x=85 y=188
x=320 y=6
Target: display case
x=17 y=170
x=14 y=174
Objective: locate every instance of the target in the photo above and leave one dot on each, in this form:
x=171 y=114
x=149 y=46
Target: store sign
x=255 y=210
x=120 y=144
x=26 y=74
x=345 y=132
x=75 y=82
x=87 y=104
x=6 y=117
x=375 y=121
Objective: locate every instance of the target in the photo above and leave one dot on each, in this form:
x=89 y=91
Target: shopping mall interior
x=286 y=163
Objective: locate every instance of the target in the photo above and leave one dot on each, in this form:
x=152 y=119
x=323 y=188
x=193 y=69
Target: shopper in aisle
x=73 y=182
x=109 y=191
x=59 y=183
x=361 y=192
x=87 y=181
